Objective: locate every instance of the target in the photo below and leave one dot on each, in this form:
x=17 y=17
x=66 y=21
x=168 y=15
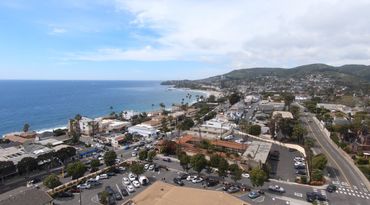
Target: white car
x=84 y=186
x=151 y=167
x=298 y=159
x=190 y=178
x=136 y=184
x=137 y=149
x=126 y=181
x=246 y=175
x=103 y=176
x=133 y=154
x=130 y=188
x=132 y=177
x=299 y=164
x=146 y=166
x=197 y=180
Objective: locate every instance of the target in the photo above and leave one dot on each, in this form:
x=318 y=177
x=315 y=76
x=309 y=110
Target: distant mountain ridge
x=355 y=76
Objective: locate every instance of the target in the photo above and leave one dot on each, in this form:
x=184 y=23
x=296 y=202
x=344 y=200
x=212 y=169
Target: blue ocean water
x=49 y=104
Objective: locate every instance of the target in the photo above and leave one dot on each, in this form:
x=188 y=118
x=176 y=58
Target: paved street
x=351 y=189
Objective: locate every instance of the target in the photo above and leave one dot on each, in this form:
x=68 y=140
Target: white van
x=103 y=176
x=143 y=180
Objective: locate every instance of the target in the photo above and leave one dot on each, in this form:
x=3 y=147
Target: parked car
x=132 y=177
x=103 y=176
x=211 y=182
x=178 y=181
x=146 y=166
x=233 y=189
x=183 y=176
x=254 y=194
x=143 y=180
x=126 y=181
x=190 y=177
x=301 y=172
x=197 y=180
x=124 y=191
x=331 y=188
x=133 y=154
x=151 y=167
x=136 y=184
x=109 y=190
x=130 y=188
x=299 y=159
x=65 y=194
x=276 y=188
x=117 y=196
x=84 y=186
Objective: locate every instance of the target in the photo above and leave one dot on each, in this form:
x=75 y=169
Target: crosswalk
x=354 y=191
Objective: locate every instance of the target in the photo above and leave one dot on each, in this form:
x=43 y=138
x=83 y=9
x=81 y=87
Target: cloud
x=56 y=31
x=242 y=33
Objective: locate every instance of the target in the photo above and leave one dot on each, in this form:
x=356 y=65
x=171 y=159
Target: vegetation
x=76 y=169
x=6 y=168
x=110 y=158
x=257 y=177
x=26 y=127
x=143 y=155
x=95 y=163
x=151 y=155
x=234 y=98
x=319 y=162
x=198 y=162
x=52 y=181
x=186 y=124
x=65 y=153
x=236 y=172
x=104 y=197
x=168 y=147
x=317 y=175
x=27 y=165
x=137 y=168
x=185 y=161
x=255 y=130
x=223 y=166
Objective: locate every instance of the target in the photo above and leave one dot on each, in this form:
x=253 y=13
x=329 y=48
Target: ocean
x=50 y=104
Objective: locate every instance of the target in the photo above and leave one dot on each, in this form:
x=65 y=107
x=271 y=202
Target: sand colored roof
x=284 y=114
x=15 y=138
x=161 y=193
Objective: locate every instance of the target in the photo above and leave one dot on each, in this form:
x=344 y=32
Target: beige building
x=161 y=193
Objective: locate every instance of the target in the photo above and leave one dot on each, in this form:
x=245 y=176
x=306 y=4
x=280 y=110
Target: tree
x=214 y=160
x=151 y=155
x=110 y=158
x=288 y=98
x=164 y=127
x=52 y=181
x=143 y=154
x=186 y=124
x=104 y=197
x=168 y=147
x=319 y=162
x=257 y=177
x=137 y=168
x=6 y=168
x=317 y=175
x=162 y=105
x=286 y=126
x=184 y=161
x=65 y=153
x=234 y=98
x=95 y=163
x=211 y=98
x=223 y=166
x=76 y=169
x=26 y=165
x=26 y=127
x=295 y=111
x=298 y=133
x=236 y=172
x=198 y=162
x=255 y=130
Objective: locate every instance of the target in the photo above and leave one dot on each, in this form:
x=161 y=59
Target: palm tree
x=26 y=127
x=162 y=105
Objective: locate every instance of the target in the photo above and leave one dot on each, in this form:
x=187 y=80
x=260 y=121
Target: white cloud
x=248 y=33
x=56 y=30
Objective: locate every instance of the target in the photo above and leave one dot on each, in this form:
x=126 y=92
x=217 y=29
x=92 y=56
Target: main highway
x=343 y=173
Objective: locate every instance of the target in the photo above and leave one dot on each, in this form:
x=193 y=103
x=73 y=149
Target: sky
x=173 y=39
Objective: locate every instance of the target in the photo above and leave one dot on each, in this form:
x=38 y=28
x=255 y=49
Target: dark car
x=183 y=176
x=65 y=194
x=109 y=190
x=211 y=182
x=75 y=190
x=331 y=188
x=124 y=191
x=301 y=172
x=110 y=174
x=167 y=159
x=313 y=196
x=178 y=181
x=117 y=196
x=111 y=200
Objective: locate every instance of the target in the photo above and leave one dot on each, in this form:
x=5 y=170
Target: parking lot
x=283 y=169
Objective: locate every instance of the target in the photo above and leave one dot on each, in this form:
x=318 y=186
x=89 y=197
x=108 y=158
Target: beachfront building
x=256 y=154
x=20 y=137
x=88 y=126
x=112 y=125
x=127 y=115
x=143 y=130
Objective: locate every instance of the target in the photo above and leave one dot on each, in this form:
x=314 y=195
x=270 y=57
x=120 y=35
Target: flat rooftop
x=258 y=151
x=161 y=193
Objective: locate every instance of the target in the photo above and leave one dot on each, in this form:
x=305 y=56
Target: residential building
x=268 y=107
x=282 y=114
x=109 y=125
x=88 y=126
x=160 y=193
x=20 y=137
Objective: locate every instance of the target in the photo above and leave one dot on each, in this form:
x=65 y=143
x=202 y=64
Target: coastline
x=206 y=92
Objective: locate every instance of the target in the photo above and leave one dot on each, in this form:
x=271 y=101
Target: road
x=352 y=190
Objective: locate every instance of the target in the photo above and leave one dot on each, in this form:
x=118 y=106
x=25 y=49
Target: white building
x=127 y=115
x=144 y=130
x=107 y=125
x=88 y=126
x=251 y=99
